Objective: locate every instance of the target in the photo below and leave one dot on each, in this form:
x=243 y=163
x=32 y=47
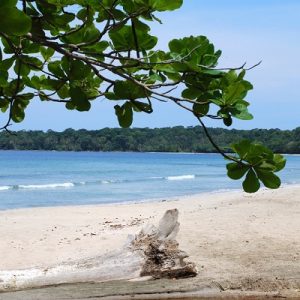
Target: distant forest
x=175 y=139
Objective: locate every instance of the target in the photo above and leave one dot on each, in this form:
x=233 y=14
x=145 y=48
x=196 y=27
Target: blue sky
x=245 y=31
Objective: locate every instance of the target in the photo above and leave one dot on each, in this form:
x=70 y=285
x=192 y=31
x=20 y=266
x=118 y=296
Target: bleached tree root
x=152 y=252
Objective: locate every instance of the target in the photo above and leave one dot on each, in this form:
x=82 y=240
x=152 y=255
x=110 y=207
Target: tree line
x=170 y=139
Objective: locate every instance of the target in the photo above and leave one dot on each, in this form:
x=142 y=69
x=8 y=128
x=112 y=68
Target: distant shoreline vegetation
x=169 y=139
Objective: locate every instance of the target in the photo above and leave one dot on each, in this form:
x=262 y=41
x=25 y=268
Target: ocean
x=43 y=178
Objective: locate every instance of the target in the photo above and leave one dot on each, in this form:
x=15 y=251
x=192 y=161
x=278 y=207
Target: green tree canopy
x=76 y=51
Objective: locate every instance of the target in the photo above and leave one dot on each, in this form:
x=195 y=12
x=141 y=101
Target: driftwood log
x=153 y=252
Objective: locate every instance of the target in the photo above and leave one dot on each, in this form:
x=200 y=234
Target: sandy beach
x=233 y=237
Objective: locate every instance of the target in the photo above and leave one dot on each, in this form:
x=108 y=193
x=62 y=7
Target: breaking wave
x=37 y=186
x=65 y=185
x=46 y=186
x=181 y=177
x=5 y=188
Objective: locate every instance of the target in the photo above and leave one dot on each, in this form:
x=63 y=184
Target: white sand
x=228 y=235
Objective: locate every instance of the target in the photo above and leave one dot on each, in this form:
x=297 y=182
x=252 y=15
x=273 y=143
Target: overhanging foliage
x=76 y=51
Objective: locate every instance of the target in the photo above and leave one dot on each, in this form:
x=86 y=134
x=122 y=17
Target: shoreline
x=240 y=240
x=141 y=201
x=175 y=198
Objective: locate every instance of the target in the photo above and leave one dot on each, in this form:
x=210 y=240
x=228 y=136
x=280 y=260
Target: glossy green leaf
x=17 y=112
x=47 y=53
x=14 y=21
x=64 y=92
x=244 y=115
x=3 y=78
x=201 y=109
x=236 y=171
x=128 y=90
x=163 y=5
x=6 y=64
x=191 y=93
x=87 y=34
x=251 y=183
x=22 y=68
x=241 y=148
x=55 y=67
x=79 y=70
x=141 y=106
x=280 y=162
x=124 y=114
x=269 y=179
x=79 y=99
x=123 y=39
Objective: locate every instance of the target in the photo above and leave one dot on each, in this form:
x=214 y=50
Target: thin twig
x=135 y=38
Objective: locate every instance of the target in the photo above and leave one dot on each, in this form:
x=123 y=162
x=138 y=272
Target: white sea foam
x=5 y=188
x=106 y=181
x=181 y=177
x=47 y=186
x=112 y=181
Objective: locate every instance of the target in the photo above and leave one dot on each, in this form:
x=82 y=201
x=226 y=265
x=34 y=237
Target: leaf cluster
x=258 y=163
x=76 y=51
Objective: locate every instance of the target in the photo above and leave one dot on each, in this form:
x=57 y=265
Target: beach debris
x=152 y=253
x=163 y=258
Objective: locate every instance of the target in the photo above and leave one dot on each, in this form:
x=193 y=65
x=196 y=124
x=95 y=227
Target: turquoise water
x=41 y=178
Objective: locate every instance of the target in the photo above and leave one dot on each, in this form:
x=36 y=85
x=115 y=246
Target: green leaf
x=227 y=121
x=7 y=63
x=47 y=53
x=64 y=92
x=79 y=70
x=17 y=112
x=129 y=90
x=96 y=48
x=3 y=78
x=14 y=21
x=32 y=62
x=123 y=39
x=50 y=84
x=4 y=4
x=269 y=179
x=55 y=68
x=111 y=96
x=193 y=52
x=243 y=115
x=26 y=96
x=191 y=93
x=241 y=148
x=236 y=171
x=163 y=5
x=279 y=161
x=23 y=68
x=37 y=28
x=266 y=166
x=201 y=109
x=80 y=99
x=257 y=150
x=88 y=34
x=70 y=106
x=251 y=183
x=124 y=114
x=141 y=106
x=33 y=82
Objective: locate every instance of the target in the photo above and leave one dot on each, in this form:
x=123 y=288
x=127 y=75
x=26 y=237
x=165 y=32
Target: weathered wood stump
x=152 y=252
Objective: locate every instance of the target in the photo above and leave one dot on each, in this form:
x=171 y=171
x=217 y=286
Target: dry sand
x=231 y=236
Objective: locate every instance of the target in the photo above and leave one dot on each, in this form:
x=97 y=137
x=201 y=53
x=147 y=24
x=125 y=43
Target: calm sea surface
x=40 y=178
